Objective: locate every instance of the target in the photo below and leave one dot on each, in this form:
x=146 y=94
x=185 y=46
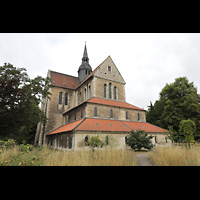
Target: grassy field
x=49 y=157
x=175 y=156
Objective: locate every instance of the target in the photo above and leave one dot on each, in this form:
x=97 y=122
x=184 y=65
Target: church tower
x=85 y=69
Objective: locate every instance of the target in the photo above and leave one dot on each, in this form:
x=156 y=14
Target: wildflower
x=32 y=162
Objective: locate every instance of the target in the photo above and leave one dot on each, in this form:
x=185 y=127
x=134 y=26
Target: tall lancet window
x=110 y=94
x=115 y=92
x=60 y=98
x=95 y=112
x=138 y=116
x=66 y=99
x=126 y=115
x=105 y=86
x=111 y=113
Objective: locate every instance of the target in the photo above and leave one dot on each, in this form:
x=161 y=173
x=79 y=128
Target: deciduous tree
x=178 y=101
x=19 y=100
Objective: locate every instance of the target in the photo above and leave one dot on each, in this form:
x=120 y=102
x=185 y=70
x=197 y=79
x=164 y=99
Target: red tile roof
x=113 y=103
x=67 y=81
x=67 y=127
x=93 y=124
x=144 y=126
x=64 y=80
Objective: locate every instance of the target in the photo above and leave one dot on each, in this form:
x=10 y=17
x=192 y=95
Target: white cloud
x=146 y=61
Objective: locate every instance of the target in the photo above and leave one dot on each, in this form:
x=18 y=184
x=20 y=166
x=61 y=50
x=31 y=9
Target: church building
x=94 y=103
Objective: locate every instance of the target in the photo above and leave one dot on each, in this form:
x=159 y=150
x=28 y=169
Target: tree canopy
x=19 y=100
x=178 y=101
x=139 y=139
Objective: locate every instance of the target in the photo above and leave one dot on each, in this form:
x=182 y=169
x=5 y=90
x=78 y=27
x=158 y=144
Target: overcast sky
x=146 y=61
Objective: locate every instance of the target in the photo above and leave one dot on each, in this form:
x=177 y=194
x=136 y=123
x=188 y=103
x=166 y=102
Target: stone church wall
x=115 y=139
x=55 y=110
x=99 y=89
x=77 y=140
x=104 y=111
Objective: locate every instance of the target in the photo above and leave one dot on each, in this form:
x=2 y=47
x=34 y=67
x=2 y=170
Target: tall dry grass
x=175 y=156
x=99 y=157
x=49 y=157
x=6 y=154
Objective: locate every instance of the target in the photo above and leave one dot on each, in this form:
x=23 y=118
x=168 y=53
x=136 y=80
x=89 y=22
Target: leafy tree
x=155 y=112
x=188 y=128
x=139 y=139
x=95 y=141
x=178 y=101
x=173 y=135
x=19 y=100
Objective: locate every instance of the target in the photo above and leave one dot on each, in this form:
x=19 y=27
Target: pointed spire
x=85 y=69
x=85 y=55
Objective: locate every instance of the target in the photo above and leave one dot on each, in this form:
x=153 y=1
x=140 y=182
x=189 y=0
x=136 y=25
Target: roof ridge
x=79 y=124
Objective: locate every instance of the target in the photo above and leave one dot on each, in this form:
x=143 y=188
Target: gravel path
x=143 y=159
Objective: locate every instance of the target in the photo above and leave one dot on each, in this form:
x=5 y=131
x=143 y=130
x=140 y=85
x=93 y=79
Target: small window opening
x=60 y=98
x=111 y=113
x=155 y=139
x=95 y=111
x=86 y=141
x=126 y=115
x=138 y=116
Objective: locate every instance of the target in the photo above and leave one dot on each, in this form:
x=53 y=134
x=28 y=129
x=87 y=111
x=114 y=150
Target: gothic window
x=138 y=116
x=115 y=92
x=85 y=93
x=155 y=139
x=89 y=92
x=66 y=99
x=70 y=142
x=60 y=98
x=86 y=141
x=111 y=113
x=126 y=140
x=95 y=112
x=126 y=115
x=110 y=95
x=105 y=90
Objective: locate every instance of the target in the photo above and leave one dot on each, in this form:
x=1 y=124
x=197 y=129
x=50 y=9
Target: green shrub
x=95 y=141
x=6 y=144
x=139 y=139
x=25 y=147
